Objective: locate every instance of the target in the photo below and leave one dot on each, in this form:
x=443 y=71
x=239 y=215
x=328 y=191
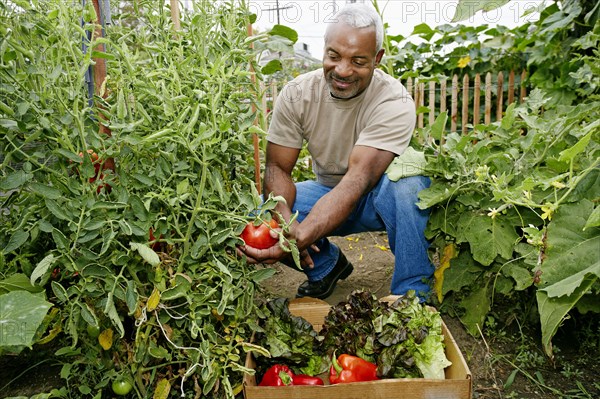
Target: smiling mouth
x=342 y=84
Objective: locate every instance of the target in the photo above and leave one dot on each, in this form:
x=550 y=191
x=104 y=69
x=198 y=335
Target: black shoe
x=321 y=289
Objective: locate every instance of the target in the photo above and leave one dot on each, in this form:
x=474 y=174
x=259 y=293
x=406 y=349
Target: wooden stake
x=421 y=103
x=175 y=15
x=99 y=73
x=255 y=139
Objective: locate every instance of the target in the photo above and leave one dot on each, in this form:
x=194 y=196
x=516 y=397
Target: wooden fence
x=462 y=99
x=466 y=108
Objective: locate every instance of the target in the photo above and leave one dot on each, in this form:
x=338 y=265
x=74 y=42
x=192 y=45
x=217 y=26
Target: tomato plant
x=260 y=236
x=180 y=116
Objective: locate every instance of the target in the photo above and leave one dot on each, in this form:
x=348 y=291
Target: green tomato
x=93 y=331
x=121 y=386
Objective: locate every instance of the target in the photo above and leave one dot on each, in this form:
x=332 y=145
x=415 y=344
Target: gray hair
x=359 y=15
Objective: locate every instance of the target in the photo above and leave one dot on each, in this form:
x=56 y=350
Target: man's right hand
x=275 y=254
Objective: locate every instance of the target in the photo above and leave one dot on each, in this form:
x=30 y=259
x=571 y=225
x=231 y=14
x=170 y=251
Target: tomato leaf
x=153 y=300
x=162 y=389
x=260 y=275
x=46 y=191
x=131 y=296
x=42 y=268
x=14 y=180
x=105 y=339
x=17 y=239
x=468 y=8
x=594 y=219
x=146 y=253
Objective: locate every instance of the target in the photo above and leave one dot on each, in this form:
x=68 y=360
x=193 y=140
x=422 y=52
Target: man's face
x=349 y=60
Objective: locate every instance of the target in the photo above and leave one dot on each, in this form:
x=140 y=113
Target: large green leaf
x=571 y=283
x=462 y=272
x=435 y=194
x=554 y=310
x=570 y=249
x=476 y=305
x=21 y=313
x=571 y=266
x=487 y=236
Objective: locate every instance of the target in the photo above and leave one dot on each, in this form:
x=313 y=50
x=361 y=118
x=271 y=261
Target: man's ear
x=379 y=56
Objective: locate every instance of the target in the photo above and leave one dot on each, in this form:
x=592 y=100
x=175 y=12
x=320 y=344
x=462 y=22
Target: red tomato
x=260 y=236
x=157 y=246
x=95 y=162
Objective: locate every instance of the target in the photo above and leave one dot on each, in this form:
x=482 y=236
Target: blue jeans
x=390 y=206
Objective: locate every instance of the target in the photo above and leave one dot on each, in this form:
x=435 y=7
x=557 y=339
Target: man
x=355 y=119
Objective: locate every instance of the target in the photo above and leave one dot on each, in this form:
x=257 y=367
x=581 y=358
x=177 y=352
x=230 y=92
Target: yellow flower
x=548 y=210
x=464 y=61
x=493 y=212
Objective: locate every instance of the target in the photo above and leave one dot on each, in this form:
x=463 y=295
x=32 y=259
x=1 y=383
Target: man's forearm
x=331 y=211
x=278 y=182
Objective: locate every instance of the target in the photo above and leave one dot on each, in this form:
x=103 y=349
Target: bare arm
x=278 y=176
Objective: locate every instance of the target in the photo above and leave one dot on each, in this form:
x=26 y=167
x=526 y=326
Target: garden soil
x=492 y=360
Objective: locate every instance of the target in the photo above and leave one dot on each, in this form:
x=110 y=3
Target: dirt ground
x=492 y=362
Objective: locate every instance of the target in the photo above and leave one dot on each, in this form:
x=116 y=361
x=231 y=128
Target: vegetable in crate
x=404 y=339
x=303 y=379
x=280 y=375
x=290 y=340
x=348 y=368
x=277 y=376
x=348 y=327
x=411 y=335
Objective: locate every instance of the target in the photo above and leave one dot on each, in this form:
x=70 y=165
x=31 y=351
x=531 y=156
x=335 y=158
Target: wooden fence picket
x=454 y=104
x=523 y=91
x=500 y=96
x=476 y=99
x=511 y=87
x=431 y=102
x=488 y=99
x=465 y=104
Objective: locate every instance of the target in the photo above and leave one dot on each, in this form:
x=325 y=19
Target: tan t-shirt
x=383 y=117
